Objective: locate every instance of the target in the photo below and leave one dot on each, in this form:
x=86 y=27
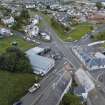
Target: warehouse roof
x=39 y=63
x=35 y=50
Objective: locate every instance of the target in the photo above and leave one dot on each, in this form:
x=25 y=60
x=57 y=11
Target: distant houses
x=32 y=29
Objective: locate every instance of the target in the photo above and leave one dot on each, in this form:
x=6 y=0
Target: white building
x=32 y=30
x=41 y=65
x=28 y=6
x=5 y=32
x=8 y=20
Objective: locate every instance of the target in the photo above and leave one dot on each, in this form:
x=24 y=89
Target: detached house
x=8 y=20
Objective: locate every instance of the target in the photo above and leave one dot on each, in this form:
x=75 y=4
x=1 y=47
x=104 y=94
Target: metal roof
x=40 y=64
x=35 y=50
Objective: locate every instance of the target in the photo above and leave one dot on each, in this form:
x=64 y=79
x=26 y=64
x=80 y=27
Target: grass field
x=14 y=86
x=76 y=34
x=6 y=42
x=79 y=30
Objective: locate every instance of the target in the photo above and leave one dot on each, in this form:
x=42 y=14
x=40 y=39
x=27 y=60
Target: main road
x=53 y=86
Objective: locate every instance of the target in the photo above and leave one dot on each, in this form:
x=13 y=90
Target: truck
x=34 y=87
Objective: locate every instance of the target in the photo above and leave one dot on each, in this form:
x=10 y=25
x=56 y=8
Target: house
x=8 y=20
x=35 y=20
x=41 y=65
x=32 y=30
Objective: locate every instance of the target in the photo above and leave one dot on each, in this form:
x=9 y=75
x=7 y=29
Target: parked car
x=18 y=103
x=48 y=49
x=34 y=87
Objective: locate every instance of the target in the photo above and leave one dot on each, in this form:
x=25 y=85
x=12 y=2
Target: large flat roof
x=40 y=63
x=35 y=50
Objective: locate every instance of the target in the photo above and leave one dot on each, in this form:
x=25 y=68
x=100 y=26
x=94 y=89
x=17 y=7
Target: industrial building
x=41 y=65
x=94 y=60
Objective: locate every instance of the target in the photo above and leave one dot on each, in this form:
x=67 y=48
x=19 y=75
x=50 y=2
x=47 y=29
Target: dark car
x=48 y=49
x=18 y=103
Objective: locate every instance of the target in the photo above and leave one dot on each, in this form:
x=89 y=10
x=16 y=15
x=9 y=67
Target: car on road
x=56 y=56
x=18 y=103
x=34 y=87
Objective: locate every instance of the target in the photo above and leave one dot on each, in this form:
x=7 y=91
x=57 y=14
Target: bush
x=99 y=5
x=14 y=60
x=100 y=36
x=70 y=99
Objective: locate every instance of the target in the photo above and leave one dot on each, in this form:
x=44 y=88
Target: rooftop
x=39 y=63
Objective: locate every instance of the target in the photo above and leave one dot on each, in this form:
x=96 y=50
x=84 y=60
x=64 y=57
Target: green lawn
x=14 y=86
x=6 y=42
x=79 y=30
x=76 y=34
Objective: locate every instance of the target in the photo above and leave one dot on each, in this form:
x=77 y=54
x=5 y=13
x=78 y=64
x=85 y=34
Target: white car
x=34 y=87
x=46 y=36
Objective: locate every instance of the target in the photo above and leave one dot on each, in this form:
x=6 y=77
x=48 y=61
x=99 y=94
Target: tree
x=14 y=60
x=70 y=99
x=99 y=5
x=25 y=14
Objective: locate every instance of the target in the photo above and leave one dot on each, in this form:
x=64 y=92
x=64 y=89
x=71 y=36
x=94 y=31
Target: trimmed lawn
x=14 y=86
x=80 y=30
x=23 y=44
